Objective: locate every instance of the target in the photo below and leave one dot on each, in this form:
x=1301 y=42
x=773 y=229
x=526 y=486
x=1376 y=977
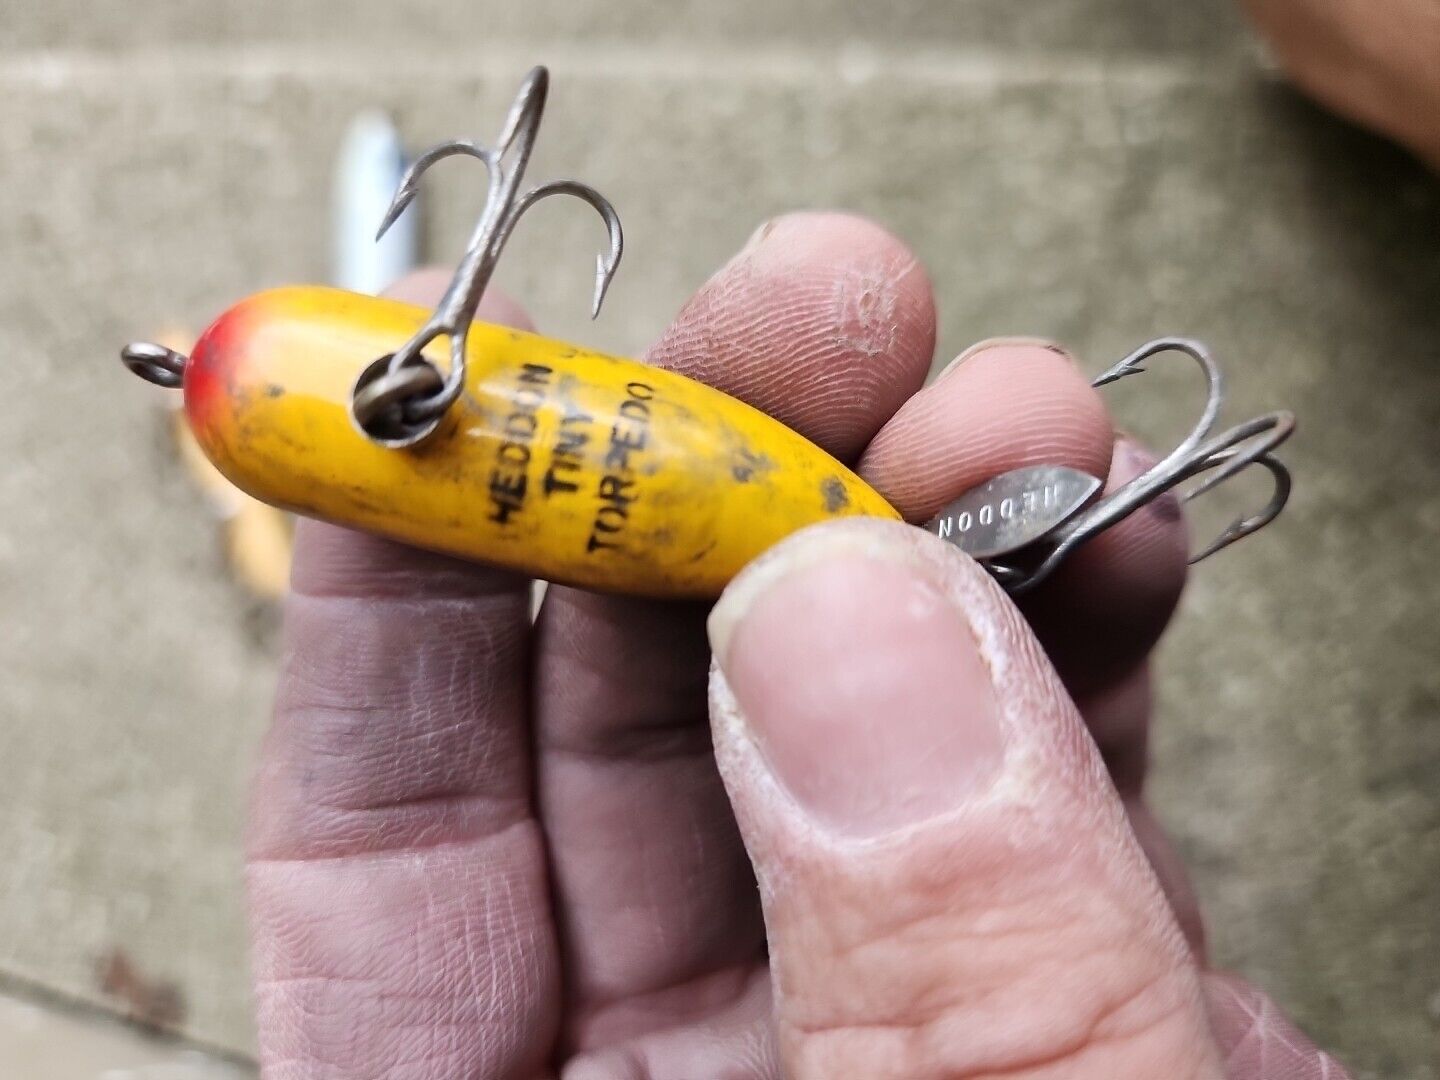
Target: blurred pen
x=371 y=162
x=257 y=537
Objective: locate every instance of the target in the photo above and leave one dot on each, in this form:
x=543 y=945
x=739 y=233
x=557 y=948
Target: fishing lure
x=576 y=467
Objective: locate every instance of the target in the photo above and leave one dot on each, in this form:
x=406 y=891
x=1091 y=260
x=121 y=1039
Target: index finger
x=399 y=913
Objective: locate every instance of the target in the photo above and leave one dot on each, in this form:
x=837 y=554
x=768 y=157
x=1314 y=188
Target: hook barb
x=1242 y=527
x=1195 y=350
x=1229 y=455
x=608 y=261
x=409 y=185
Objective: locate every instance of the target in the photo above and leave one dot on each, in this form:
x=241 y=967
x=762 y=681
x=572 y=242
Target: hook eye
x=378 y=400
x=155 y=363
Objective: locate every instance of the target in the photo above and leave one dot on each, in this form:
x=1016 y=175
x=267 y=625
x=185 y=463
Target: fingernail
x=1001 y=345
x=861 y=683
x=757 y=237
x=751 y=245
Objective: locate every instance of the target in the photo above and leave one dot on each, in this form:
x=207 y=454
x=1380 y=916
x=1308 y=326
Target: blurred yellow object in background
x=257 y=537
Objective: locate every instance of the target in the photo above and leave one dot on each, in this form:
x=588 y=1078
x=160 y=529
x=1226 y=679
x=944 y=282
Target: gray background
x=1100 y=171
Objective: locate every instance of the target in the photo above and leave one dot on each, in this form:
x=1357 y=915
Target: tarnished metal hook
x=1043 y=513
x=395 y=401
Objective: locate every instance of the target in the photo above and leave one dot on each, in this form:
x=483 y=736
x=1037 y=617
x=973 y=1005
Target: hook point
x=404 y=195
x=1127 y=367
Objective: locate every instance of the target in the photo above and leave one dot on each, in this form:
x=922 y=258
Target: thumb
x=950 y=887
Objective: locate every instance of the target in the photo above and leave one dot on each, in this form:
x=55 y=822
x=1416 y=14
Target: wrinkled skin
x=485 y=848
x=1374 y=61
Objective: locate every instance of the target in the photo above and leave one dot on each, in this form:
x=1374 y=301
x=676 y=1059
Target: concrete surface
x=40 y=1042
x=1096 y=170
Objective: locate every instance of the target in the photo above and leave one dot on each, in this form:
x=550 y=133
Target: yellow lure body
x=557 y=462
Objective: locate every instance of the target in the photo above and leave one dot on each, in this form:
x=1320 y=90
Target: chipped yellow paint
x=560 y=463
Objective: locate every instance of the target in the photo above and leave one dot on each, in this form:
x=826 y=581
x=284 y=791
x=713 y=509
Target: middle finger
x=826 y=322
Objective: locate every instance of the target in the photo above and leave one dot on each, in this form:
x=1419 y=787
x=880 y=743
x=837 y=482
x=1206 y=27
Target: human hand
x=1375 y=61
x=485 y=848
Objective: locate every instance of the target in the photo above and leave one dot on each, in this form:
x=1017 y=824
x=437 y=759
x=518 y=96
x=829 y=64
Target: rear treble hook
x=399 y=399
x=1064 y=519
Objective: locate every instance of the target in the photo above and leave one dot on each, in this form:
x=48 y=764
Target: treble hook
x=1231 y=452
x=396 y=401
